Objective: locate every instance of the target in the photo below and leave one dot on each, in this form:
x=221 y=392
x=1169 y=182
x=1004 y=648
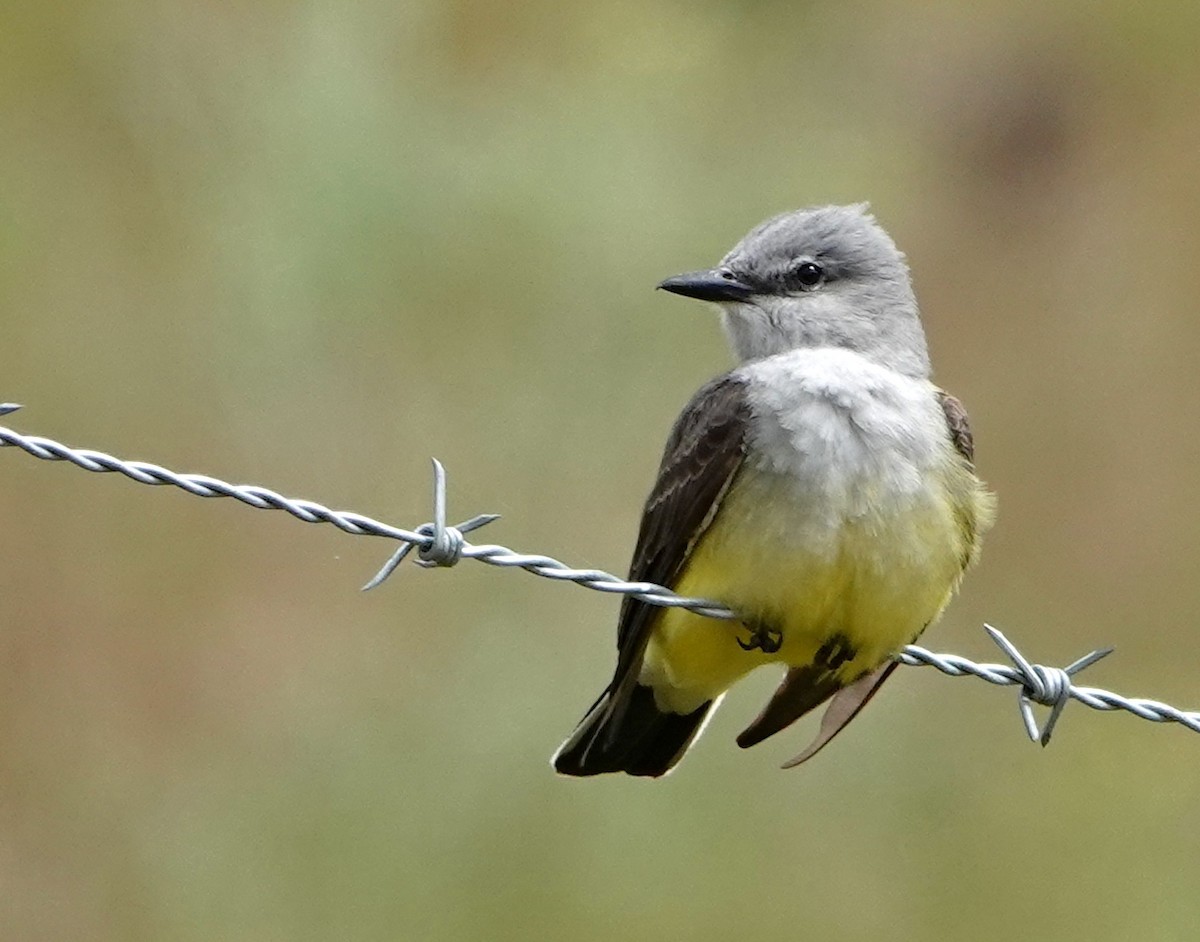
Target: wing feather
x=957 y=425
x=702 y=456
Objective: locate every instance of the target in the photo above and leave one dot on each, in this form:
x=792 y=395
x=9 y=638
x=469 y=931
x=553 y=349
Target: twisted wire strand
x=438 y=544
x=1005 y=675
x=261 y=498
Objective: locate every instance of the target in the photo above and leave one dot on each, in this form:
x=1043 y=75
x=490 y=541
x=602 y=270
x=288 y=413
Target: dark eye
x=809 y=275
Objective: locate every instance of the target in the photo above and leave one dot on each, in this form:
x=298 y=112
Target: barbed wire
x=440 y=544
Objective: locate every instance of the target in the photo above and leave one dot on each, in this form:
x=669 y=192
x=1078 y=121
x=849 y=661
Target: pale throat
x=773 y=325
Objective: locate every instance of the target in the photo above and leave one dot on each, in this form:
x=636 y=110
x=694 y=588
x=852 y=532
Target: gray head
x=823 y=277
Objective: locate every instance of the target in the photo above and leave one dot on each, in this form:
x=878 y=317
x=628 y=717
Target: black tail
x=639 y=740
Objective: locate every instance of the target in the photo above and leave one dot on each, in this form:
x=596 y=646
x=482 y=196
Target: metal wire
x=438 y=544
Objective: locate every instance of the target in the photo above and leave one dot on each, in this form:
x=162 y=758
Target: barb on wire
x=438 y=544
x=445 y=545
x=1049 y=686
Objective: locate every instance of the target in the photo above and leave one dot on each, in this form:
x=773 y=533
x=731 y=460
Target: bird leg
x=835 y=652
x=762 y=637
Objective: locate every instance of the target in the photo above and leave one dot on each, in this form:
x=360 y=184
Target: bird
x=823 y=490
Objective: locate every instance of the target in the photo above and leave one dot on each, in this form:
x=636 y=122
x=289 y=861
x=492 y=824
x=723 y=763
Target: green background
x=309 y=245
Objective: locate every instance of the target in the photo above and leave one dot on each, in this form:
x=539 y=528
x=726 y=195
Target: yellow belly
x=876 y=578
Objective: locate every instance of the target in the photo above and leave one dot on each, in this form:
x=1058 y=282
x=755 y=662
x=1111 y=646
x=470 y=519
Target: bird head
x=823 y=277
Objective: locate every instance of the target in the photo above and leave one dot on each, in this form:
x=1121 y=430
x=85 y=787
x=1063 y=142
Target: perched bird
x=823 y=490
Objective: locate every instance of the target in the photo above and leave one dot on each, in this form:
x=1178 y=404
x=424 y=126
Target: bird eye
x=809 y=275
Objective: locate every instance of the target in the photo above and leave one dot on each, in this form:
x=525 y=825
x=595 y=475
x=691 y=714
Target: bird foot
x=762 y=638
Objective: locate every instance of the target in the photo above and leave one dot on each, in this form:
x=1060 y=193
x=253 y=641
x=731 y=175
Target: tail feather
x=640 y=739
x=802 y=689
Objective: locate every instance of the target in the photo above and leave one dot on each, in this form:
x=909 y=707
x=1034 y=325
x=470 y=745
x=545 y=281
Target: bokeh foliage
x=310 y=244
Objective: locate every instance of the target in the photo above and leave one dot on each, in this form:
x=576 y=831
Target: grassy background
x=309 y=245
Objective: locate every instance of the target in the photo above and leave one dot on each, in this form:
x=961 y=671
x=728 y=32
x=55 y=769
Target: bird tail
x=640 y=739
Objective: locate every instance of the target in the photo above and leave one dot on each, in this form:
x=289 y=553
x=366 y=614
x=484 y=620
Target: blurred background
x=309 y=245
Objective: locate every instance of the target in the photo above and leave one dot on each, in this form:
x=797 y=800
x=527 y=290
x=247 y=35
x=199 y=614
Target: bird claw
x=762 y=638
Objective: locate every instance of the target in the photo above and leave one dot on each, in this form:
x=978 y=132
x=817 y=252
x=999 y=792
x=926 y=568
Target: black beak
x=715 y=285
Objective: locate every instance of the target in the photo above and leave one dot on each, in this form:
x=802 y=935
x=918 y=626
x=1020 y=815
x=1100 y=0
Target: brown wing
x=959 y=427
x=703 y=453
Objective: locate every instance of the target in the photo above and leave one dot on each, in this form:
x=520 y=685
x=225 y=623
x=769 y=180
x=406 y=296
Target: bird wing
x=957 y=425
x=703 y=453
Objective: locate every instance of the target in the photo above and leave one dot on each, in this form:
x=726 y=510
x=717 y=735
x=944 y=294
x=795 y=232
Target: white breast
x=848 y=439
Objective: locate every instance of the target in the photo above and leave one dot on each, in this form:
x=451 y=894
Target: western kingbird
x=824 y=490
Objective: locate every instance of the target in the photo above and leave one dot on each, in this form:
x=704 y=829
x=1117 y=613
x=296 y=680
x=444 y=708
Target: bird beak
x=714 y=285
